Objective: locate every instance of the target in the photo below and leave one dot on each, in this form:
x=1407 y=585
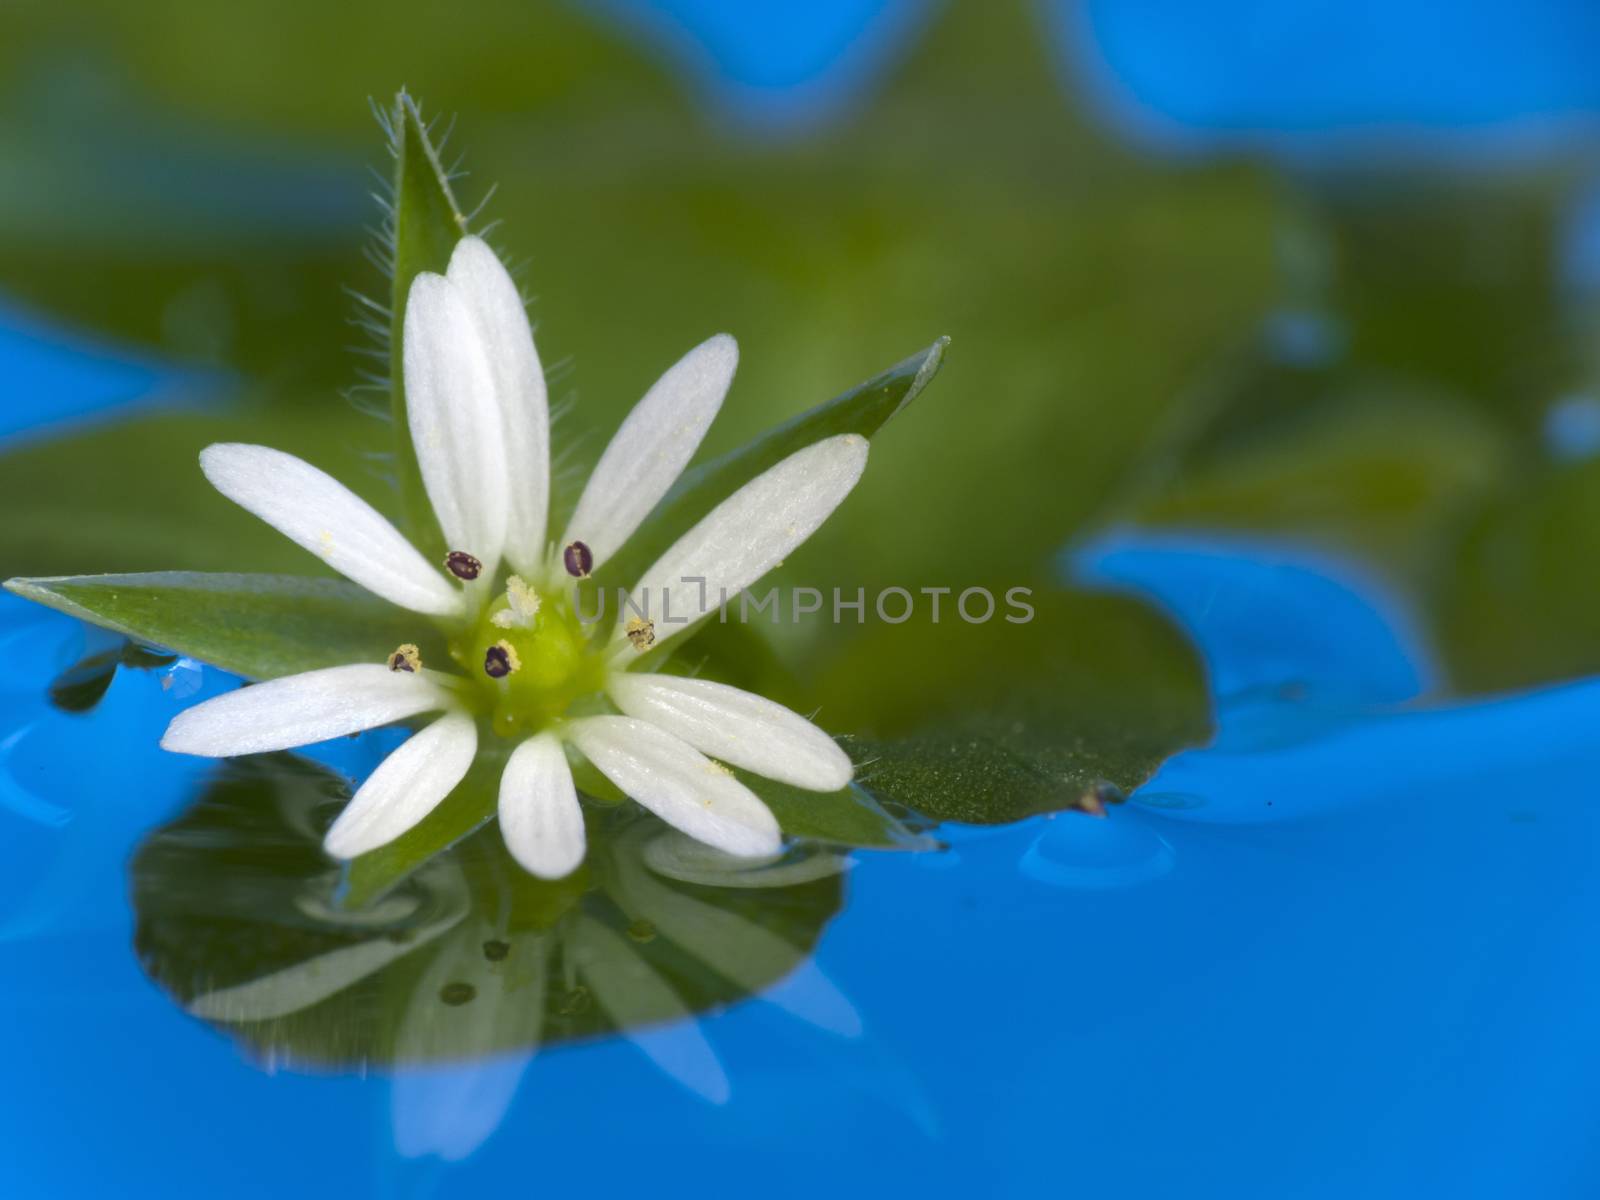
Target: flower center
x=532 y=659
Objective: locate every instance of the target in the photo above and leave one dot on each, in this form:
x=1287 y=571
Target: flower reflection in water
x=458 y=976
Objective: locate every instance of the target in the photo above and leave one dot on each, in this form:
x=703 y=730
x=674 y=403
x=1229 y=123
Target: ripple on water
x=1083 y=852
x=36 y=646
x=32 y=827
x=1168 y=801
x=16 y=796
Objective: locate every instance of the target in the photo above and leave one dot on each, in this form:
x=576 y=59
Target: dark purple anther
x=579 y=560
x=462 y=565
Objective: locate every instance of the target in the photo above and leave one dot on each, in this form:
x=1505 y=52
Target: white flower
x=526 y=666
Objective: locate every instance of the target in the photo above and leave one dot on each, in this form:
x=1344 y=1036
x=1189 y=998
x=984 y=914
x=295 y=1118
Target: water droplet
x=1115 y=852
x=183 y=678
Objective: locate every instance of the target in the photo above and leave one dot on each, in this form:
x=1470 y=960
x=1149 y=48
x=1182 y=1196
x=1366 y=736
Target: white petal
x=451 y=1109
x=735 y=947
x=496 y=305
x=314 y=509
x=652 y=447
x=809 y=995
x=679 y=784
x=455 y=419
x=540 y=819
x=299 y=710
x=406 y=786
x=736 y=726
x=637 y=999
x=459 y=1065
x=313 y=980
x=507 y=1011
x=749 y=533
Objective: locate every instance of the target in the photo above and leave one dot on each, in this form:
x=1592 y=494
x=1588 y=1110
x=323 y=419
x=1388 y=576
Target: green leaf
x=1515 y=604
x=851 y=816
x=863 y=410
x=130 y=496
x=423 y=229
x=994 y=722
x=991 y=770
x=1366 y=463
x=258 y=626
x=84 y=684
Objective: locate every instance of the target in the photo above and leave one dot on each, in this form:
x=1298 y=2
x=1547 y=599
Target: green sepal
x=424 y=227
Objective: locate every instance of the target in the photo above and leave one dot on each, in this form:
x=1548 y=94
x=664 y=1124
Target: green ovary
x=557 y=668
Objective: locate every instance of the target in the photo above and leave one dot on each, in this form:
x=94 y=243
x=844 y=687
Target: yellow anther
x=522 y=606
x=406 y=658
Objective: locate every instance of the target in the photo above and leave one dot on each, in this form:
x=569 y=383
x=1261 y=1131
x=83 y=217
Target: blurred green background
x=1383 y=354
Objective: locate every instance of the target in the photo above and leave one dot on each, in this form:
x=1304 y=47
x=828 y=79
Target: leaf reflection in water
x=457 y=977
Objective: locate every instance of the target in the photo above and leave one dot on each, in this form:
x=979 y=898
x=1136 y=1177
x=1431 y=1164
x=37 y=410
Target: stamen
x=523 y=606
x=500 y=660
x=578 y=559
x=406 y=658
x=462 y=565
x=641 y=633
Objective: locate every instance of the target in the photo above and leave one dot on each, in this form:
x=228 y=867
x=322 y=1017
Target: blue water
x=55 y=382
x=1490 y=81
x=1348 y=949
x=775 y=65
x=1493 y=78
